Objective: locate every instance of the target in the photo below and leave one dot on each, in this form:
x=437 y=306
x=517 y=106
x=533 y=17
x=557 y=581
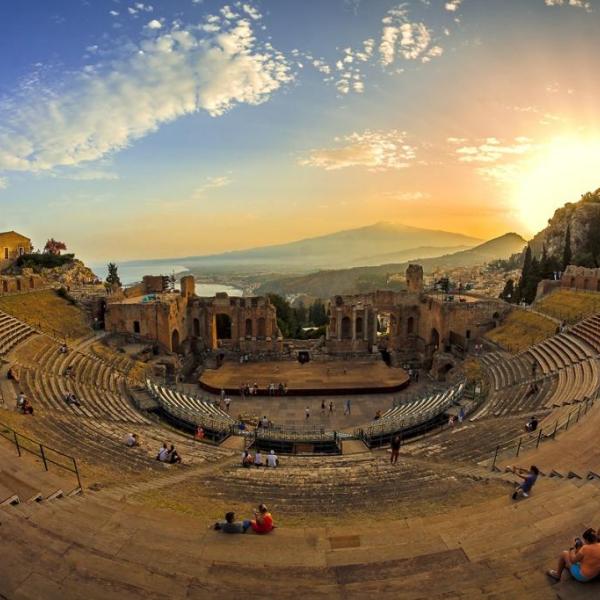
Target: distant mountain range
x=324 y=284
x=370 y=245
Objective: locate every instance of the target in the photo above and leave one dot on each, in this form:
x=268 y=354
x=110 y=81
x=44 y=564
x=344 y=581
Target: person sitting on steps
x=531 y=425
x=582 y=560
x=163 y=453
x=230 y=525
x=27 y=408
x=524 y=489
x=247 y=459
x=132 y=440
x=262 y=522
x=173 y=456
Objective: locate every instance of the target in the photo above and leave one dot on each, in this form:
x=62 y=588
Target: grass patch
x=521 y=329
x=48 y=312
x=569 y=305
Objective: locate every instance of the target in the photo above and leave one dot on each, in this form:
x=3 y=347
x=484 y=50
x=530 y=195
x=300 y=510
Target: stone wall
x=10 y=284
x=183 y=322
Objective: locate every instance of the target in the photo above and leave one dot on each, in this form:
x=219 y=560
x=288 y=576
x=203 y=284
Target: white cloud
x=154 y=24
x=113 y=13
x=251 y=12
x=3 y=183
x=94 y=113
x=491 y=150
x=211 y=183
x=349 y=75
x=452 y=5
x=402 y=38
x=575 y=3
x=373 y=150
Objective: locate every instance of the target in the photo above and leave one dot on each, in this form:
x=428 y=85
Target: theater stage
x=309 y=379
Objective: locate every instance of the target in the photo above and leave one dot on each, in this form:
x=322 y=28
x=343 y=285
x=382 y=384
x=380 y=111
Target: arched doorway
x=346 y=328
x=18 y=285
x=196 y=327
x=410 y=326
x=223 y=327
x=359 y=328
x=261 y=326
x=31 y=283
x=435 y=338
x=443 y=371
x=248 y=330
x=175 y=341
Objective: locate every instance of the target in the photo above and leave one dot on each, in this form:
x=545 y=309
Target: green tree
x=508 y=293
x=567 y=252
x=317 y=314
x=113 y=275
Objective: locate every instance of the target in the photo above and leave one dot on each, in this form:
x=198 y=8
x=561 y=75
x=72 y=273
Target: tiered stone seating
x=414 y=413
x=93 y=547
x=194 y=410
x=97 y=428
x=588 y=332
x=567 y=372
x=576 y=454
x=12 y=332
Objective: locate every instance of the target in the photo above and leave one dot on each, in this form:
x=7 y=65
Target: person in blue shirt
x=529 y=479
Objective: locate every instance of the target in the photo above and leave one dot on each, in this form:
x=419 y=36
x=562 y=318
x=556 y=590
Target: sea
x=131 y=273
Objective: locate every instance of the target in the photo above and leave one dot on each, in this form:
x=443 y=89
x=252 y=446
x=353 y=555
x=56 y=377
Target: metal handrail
x=14 y=437
x=551 y=430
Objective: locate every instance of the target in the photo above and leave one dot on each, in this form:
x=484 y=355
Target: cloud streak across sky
x=103 y=109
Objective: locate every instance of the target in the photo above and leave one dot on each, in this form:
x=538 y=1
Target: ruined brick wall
x=20 y=283
x=180 y=321
x=581 y=278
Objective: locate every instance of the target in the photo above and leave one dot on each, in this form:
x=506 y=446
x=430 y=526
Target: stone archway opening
x=196 y=327
x=223 y=323
x=435 y=338
x=175 y=341
x=360 y=328
x=410 y=326
x=261 y=328
x=346 y=328
x=248 y=332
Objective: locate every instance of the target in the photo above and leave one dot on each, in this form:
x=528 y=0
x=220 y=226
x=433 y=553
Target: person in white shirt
x=163 y=453
x=258 y=461
x=20 y=400
x=132 y=440
x=272 y=460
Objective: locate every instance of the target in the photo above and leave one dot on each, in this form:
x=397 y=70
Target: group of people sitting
x=248 y=460
x=262 y=522
x=582 y=560
x=71 y=399
x=168 y=454
x=23 y=404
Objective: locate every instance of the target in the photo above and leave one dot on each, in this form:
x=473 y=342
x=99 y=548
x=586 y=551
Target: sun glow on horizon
x=563 y=171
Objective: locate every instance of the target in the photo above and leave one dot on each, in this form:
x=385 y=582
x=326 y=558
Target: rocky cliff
x=579 y=215
x=72 y=274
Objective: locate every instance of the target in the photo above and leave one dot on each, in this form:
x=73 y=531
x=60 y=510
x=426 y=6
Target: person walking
x=331 y=407
x=307 y=413
x=348 y=407
x=395 y=446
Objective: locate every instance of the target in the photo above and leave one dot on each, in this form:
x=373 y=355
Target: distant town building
x=12 y=245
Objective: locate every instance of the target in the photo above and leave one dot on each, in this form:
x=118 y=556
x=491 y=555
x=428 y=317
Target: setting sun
x=565 y=168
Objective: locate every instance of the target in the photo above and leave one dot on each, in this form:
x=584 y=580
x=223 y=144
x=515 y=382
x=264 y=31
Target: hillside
x=569 y=305
x=522 y=329
x=362 y=279
x=583 y=218
x=373 y=244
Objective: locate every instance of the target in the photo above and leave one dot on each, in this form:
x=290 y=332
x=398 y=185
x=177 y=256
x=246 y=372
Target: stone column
x=353 y=324
x=338 y=333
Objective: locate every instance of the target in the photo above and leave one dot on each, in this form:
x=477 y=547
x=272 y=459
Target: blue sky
x=171 y=128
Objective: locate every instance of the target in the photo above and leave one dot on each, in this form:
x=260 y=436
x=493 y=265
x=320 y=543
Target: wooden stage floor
x=313 y=378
